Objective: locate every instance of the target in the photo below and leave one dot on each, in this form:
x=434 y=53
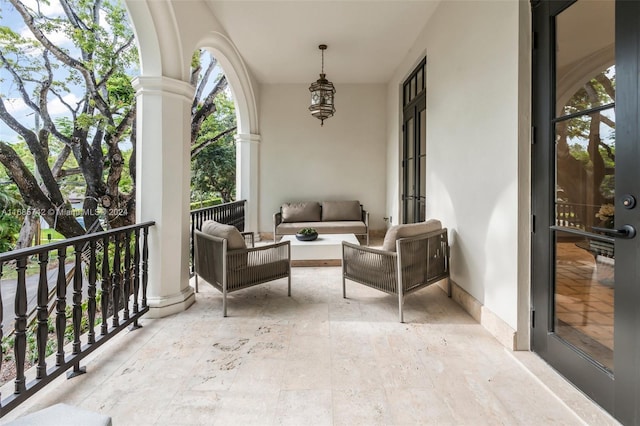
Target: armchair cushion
x=408 y=230
x=234 y=238
x=341 y=210
x=301 y=212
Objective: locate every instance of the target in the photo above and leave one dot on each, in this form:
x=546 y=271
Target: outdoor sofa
x=327 y=217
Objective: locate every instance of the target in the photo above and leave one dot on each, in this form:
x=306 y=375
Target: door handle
x=627 y=231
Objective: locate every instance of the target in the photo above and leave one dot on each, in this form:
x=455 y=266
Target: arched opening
x=165 y=99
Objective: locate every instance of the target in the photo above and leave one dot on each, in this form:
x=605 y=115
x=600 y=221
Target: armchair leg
x=449 y=287
x=289 y=283
x=344 y=288
x=196 y=276
x=224 y=304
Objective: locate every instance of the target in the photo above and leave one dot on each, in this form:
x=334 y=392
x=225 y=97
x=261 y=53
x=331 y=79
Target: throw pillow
x=301 y=212
x=234 y=238
x=341 y=210
x=408 y=230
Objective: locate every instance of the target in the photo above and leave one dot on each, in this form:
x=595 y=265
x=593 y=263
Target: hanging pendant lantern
x=322 y=93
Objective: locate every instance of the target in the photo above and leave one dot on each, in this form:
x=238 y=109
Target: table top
x=323 y=240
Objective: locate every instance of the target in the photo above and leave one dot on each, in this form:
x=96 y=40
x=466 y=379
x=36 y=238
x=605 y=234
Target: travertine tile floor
x=318 y=359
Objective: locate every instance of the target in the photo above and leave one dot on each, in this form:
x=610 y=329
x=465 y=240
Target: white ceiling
x=366 y=40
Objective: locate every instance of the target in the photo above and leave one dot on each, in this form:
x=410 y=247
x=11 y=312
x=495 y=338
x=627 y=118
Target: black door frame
x=619 y=396
x=414 y=102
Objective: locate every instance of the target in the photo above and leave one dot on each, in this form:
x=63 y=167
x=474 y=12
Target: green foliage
x=205 y=203
x=213 y=169
x=10 y=217
x=308 y=231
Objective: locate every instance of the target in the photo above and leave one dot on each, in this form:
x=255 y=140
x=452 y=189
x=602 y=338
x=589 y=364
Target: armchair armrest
x=249 y=238
x=369 y=266
x=277 y=220
x=365 y=218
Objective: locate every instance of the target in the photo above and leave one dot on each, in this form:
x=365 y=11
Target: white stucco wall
x=342 y=160
x=472 y=143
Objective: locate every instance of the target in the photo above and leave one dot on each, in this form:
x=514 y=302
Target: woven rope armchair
x=229 y=270
x=416 y=262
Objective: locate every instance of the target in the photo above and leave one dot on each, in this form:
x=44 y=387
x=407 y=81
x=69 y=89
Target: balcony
x=316 y=358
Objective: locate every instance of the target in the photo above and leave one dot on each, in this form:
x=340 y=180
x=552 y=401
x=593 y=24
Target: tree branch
x=198 y=149
x=207 y=108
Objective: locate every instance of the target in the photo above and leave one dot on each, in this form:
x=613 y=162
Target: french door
x=586 y=188
x=414 y=158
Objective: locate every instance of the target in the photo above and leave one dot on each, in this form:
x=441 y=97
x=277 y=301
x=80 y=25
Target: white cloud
x=15 y=105
x=52 y=9
x=57 y=108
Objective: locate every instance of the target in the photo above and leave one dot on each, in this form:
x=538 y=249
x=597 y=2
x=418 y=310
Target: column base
x=160 y=307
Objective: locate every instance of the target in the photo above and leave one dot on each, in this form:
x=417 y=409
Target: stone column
x=162 y=188
x=247 y=153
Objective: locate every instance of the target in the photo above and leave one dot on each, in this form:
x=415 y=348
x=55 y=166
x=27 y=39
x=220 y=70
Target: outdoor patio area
x=317 y=359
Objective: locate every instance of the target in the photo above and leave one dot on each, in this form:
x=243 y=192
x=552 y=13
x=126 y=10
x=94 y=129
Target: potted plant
x=307 y=234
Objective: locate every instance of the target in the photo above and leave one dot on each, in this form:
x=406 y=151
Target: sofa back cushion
x=341 y=210
x=234 y=238
x=308 y=211
x=408 y=230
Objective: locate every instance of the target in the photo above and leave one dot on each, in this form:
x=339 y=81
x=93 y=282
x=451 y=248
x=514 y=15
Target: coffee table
x=326 y=250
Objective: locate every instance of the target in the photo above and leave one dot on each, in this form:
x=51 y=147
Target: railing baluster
x=136 y=276
x=61 y=304
x=91 y=293
x=20 y=344
x=145 y=265
x=77 y=299
x=106 y=288
x=77 y=310
x=127 y=275
x=43 y=315
x=115 y=278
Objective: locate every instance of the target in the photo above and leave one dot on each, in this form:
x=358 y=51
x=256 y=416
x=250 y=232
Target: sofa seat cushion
x=336 y=227
x=408 y=230
x=341 y=210
x=308 y=211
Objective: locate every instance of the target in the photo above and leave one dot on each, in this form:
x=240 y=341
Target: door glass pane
x=413 y=88
x=409 y=216
x=409 y=139
x=585 y=171
x=585 y=180
x=584 y=295
x=420 y=80
x=422 y=137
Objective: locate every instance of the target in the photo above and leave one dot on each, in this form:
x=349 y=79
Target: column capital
x=248 y=138
x=163 y=86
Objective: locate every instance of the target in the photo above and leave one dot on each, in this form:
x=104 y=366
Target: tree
x=213 y=121
x=91 y=147
x=95 y=61
x=585 y=156
x=213 y=168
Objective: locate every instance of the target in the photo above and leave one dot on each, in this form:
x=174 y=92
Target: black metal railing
x=113 y=265
x=572 y=215
x=227 y=213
